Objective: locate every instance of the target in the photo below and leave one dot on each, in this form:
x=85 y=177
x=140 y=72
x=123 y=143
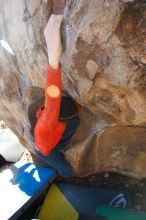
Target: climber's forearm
x=47 y=124
x=53 y=74
x=53 y=95
x=54 y=63
x=53 y=40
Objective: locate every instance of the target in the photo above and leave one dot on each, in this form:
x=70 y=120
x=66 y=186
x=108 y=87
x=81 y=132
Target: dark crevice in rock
x=32 y=113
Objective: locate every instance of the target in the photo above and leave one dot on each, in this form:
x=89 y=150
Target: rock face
x=118 y=148
x=104 y=62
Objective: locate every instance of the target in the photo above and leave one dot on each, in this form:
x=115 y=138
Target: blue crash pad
x=20 y=185
x=86 y=199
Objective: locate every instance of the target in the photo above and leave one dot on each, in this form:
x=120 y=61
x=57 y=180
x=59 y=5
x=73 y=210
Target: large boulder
x=118 y=148
x=103 y=68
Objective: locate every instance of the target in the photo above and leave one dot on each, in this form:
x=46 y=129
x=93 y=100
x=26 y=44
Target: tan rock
x=143 y=60
x=119 y=149
x=103 y=42
x=92 y=68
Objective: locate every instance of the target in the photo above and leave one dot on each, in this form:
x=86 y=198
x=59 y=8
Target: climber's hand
x=53 y=39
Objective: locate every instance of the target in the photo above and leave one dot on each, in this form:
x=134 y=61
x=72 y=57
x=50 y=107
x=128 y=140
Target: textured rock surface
x=117 y=148
x=104 y=63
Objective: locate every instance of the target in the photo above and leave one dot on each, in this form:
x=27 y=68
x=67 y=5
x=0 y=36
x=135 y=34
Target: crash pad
x=20 y=185
x=91 y=217
x=86 y=199
x=57 y=207
x=112 y=213
x=64 y=200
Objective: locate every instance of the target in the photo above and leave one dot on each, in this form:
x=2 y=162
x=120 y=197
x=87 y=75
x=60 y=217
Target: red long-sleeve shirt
x=49 y=130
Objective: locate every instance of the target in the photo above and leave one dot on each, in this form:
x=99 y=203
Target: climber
x=58 y=119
